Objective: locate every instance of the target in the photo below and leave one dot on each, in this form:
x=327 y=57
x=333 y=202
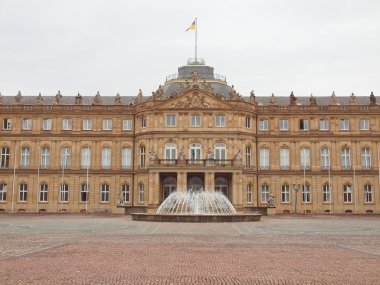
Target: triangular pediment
x=195 y=99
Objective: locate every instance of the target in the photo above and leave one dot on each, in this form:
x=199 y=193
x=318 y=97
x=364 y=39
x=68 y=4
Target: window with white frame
x=141 y=193
x=326 y=193
x=284 y=125
x=67 y=124
x=264 y=158
x=105 y=193
x=345 y=158
x=306 y=193
x=220 y=120
x=263 y=125
x=264 y=193
x=43 y=192
x=64 y=192
x=126 y=158
x=65 y=157
x=127 y=125
x=347 y=193
x=324 y=125
x=305 y=158
x=7 y=124
x=248 y=156
x=220 y=151
x=45 y=157
x=84 y=192
x=249 y=193
x=170 y=120
x=23 y=192
x=4 y=157
x=195 y=151
x=366 y=158
x=86 y=157
x=143 y=121
x=368 y=197
x=87 y=124
x=170 y=151
x=344 y=124
x=142 y=156
x=195 y=120
x=285 y=193
x=125 y=193
x=284 y=158
x=47 y=124
x=27 y=124
x=325 y=158
x=25 y=157
x=248 y=120
x=3 y=192
x=364 y=124
x=304 y=124
x=107 y=124
x=106 y=157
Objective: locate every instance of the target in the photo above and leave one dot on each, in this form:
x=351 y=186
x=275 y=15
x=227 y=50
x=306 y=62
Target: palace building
x=125 y=154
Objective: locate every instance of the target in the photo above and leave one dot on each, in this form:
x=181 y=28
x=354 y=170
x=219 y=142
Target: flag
x=192 y=27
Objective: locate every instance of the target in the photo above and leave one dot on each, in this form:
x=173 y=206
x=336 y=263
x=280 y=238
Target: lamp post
x=296 y=188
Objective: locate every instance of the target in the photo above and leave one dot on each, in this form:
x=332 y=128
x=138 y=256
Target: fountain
x=196 y=206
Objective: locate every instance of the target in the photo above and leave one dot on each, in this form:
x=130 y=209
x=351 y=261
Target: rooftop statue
x=18 y=97
x=194 y=76
x=78 y=99
x=272 y=99
x=293 y=99
x=39 y=99
x=118 y=99
x=333 y=98
x=252 y=97
x=312 y=99
x=139 y=97
x=352 y=99
x=97 y=99
x=58 y=98
x=372 y=99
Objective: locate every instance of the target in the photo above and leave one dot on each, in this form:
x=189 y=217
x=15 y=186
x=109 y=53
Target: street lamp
x=296 y=188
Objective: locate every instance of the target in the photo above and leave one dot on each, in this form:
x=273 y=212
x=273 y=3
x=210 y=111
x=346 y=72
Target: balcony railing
x=197 y=162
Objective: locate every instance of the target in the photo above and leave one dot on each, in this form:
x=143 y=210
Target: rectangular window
x=127 y=125
x=4 y=157
x=65 y=157
x=7 y=124
x=325 y=158
x=306 y=193
x=264 y=193
x=170 y=120
x=125 y=192
x=326 y=194
x=84 y=192
x=364 y=124
x=284 y=159
x=305 y=158
x=248 y=156
x=220 y=120
x=86 y=158
x=249 y=193
x=284 y=125
x=64 y=192
x=264 y=159
x=347 y=194
x=27 y=124
x=304 y=124
x=126 y=158
x=323 y=125
x=87 y=124
x=344 y=124
x=23 y=193
x=25 y=157
x=67 y=124
x=43 y=192
x=141 y=193
x=143 y=122
x=285 y=194
x=142 y=156
x=3 y=192
x=195 y=120
x=366 y=159
x=106 y=158
x=107 y=124
x=46 y=124
x=368 y=194
x=45 y=158
x=105 y=194
x=264 y=125
x=248 y=120
x=345 y=158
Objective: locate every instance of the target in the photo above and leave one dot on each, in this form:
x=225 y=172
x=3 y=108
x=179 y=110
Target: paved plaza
x=88 y=249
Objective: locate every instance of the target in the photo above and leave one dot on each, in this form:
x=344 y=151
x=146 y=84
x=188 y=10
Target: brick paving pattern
x=115 y=250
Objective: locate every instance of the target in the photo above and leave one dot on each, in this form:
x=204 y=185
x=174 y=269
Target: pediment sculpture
x=195 y=101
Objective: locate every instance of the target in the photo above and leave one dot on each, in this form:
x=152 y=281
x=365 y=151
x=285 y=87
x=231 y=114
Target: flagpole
x=378 y=161
x=330 y=190
x=354 y=188
x=88 y=163
x=38 y=180
x=196 y=36
x=14 y=175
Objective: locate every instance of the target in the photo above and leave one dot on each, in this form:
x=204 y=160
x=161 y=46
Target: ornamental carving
x=158 y=94
x=195 y=101
x=139 y=97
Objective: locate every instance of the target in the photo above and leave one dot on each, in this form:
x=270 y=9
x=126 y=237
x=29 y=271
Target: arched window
x=141 y=193
x=220 y=151
x=125 y=193
x=326 y=193
x=325 y=158
x=45 y=157
x=126 y=158
x=170 y=151
x=306 y=193
x=43 y=192
x=345 y=158
x=23 y=192
x=84 y=192
x=264 y=159
x=25 y=157
x=347 y=193
x=3 y=192
x=368 y=197
x=169 y=186
x=249 y=193
x=105 y=193
x=366 y=158
x=248 y=156
x=65 y=157
x=143 y=121
x=86 y=157
x=106 y=157
x=285 y=193
x=195 y=151
x=305 y=158
x=284 y=158
x=4 y=157
x=264 y=193
x=142 y=156
x=221 y=185
x=64 y=192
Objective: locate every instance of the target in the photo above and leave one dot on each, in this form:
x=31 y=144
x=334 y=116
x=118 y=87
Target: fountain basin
x=206 y=218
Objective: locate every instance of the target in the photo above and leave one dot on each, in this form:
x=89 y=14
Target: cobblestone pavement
x=69 y=249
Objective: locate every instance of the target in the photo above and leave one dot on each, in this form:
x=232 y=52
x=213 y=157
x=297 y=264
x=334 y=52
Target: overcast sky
x=120 y=46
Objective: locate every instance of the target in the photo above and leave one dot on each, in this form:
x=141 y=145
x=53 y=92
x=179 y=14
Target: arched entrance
x=221 y=185
x=195 y=183
x=169 y=185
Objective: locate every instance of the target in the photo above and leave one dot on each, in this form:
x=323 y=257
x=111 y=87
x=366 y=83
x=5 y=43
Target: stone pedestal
x=271 y=211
